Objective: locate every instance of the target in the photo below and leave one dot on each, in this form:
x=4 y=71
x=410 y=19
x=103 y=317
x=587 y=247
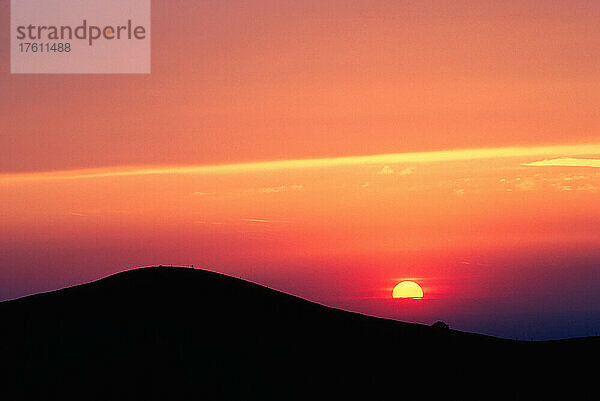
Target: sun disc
x=407 y=289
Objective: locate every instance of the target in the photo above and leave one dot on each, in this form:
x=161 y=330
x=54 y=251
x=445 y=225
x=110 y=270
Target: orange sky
x=329 y=149
x=235 y=81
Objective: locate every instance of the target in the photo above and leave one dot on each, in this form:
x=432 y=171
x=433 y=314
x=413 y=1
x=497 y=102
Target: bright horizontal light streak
x=566 y=161
x=391 y=158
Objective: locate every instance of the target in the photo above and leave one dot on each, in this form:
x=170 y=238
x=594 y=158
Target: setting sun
x=407 y=289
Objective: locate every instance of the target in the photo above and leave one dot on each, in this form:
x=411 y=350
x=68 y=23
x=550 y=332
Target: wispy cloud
x=277 y=165
x=247 y=220
x=561 y=182
x=584 y=187
x=471 y=262
x=282 y=188
x=566 y=161
x=386 y=170
x=407 y=171
x=525 y=184
x=264 y=221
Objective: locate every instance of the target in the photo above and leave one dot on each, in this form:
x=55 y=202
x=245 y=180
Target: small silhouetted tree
x=440 y=325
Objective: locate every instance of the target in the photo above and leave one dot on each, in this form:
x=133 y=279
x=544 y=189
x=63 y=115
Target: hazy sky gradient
x=329 y=149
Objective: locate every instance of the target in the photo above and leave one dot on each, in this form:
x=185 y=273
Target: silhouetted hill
x=176 y=333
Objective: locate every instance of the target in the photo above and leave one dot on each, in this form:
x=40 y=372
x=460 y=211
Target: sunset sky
x=328 y=149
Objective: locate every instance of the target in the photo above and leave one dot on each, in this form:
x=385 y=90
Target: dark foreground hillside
x=174 y=333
